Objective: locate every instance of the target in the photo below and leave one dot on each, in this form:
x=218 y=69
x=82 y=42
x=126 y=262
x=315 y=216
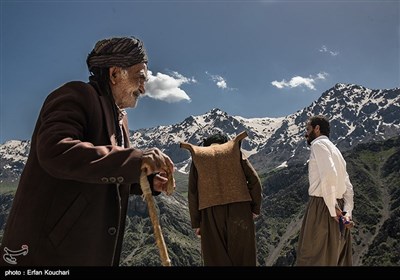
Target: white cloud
x=219 y=81
x=298 y=81
x=167 y=88
x=324 y=49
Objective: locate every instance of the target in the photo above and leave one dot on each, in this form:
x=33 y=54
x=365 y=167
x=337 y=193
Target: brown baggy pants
x=228 y=235
x=320 y=241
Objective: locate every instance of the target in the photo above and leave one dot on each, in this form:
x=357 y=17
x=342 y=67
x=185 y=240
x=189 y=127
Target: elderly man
x=71 y=203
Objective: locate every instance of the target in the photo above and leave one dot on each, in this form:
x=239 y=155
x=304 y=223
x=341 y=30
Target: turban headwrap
x=121 y=52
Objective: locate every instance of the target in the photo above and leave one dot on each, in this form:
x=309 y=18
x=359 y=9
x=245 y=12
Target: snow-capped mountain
x=357 y=115
x=13 y=156
x=195 y=128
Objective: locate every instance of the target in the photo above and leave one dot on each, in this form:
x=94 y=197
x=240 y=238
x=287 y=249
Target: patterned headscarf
x=119 y=51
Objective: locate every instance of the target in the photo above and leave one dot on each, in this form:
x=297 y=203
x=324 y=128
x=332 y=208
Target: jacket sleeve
x=253 y=184
x=67 y=119
x=193 y=198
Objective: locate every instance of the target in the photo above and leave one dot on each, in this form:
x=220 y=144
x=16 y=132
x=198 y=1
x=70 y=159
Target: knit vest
x=221 y=179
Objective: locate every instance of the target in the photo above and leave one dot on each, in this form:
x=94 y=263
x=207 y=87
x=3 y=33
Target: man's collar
x=319 y=138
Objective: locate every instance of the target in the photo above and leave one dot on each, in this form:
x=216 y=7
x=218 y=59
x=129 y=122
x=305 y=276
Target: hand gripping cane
x=144 y=184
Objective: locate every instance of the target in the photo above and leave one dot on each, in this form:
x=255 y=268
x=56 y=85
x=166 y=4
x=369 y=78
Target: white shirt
x=328 y=176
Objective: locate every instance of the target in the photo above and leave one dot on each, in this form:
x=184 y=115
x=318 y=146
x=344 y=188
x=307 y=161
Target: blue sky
x=248 y=58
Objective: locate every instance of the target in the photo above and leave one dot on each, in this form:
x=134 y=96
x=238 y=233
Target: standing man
x=224 y=197
x=71 y=203
x=325 y=238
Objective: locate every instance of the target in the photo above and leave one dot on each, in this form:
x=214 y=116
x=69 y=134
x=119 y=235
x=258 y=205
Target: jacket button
x=112 y=230
x=104 y=180
x=112 y=180
x=120 y=179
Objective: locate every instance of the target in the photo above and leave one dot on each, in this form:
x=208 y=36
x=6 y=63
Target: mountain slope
x=374 y=172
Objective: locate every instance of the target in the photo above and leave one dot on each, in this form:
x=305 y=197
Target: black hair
x=323 y=123
x=219 y=138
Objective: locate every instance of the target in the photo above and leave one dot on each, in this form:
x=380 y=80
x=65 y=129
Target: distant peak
x=217 y=111
x=340 y=86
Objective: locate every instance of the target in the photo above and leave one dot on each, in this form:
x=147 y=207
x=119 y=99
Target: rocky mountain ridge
x=357 y=115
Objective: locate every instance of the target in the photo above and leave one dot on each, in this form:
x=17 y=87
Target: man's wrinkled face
x=310 y=134
x=129 y=85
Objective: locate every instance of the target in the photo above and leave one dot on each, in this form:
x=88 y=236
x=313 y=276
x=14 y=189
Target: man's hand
x=345 y=219
x=160 y=182
x=348 y=223
x=338 y=214
x=197 y=232
x=154 y=161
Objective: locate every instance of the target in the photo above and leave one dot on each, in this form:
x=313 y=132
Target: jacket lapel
x=126 y=132
x=105 y=103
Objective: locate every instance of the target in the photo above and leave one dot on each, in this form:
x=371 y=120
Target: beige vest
x=221 y=179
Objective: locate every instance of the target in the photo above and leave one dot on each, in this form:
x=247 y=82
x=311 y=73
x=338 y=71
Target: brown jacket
x=71 y=202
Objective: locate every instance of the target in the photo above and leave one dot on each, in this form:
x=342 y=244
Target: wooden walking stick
x=144 y=184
